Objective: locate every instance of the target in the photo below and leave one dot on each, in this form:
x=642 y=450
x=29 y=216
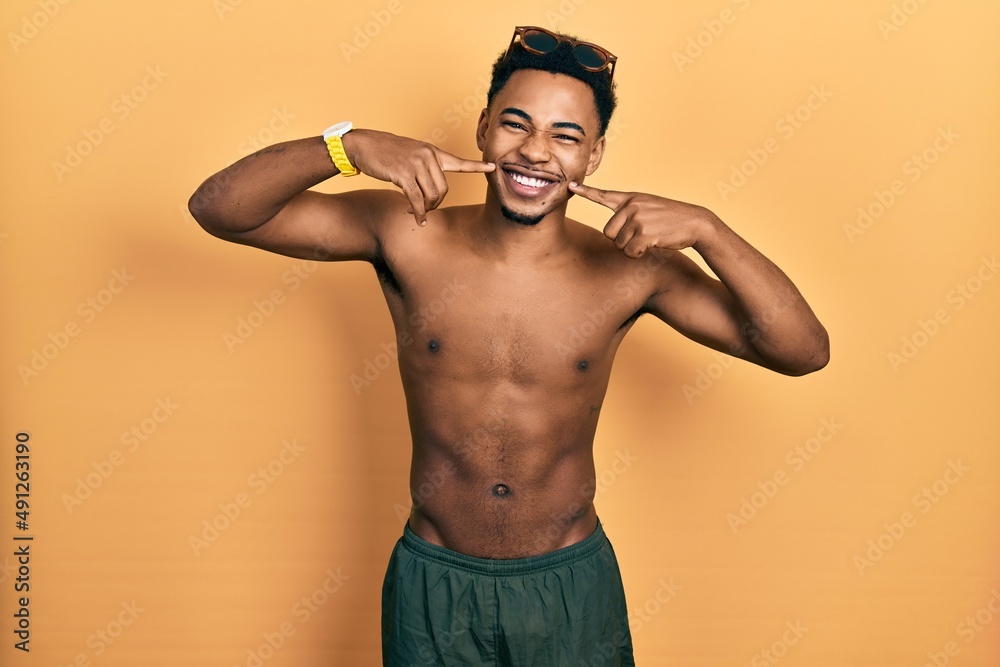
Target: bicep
x=324 y=227
x=700 y=307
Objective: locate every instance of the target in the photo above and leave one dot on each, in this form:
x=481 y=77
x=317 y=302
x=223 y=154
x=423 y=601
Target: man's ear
x=596 y=154
x=484 y=124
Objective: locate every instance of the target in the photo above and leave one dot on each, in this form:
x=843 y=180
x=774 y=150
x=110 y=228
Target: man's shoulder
x=591 y=243
x=402 y=240
x=382 y=202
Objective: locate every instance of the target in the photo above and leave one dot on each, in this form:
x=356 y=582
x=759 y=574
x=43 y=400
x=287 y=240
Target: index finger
x=450 y=162
x=610 y=198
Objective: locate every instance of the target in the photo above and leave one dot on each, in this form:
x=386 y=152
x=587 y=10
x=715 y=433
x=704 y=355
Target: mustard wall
x=207 y=486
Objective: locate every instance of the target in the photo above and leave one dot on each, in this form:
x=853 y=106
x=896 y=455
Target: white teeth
x=527 y=180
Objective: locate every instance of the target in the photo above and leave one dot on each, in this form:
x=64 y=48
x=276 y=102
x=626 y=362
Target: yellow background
x=830 y=551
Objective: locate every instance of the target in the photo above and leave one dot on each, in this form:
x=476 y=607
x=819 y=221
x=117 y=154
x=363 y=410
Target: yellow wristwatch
x=332 y=136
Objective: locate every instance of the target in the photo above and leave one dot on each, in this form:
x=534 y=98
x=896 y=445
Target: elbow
x=812 y=365
x=204 y=208
x=200 y=207
x=215 y=210
x=817 y=358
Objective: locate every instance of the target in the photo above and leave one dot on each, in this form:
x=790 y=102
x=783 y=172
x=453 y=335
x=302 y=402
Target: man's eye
x=516 y=126
x=566 y=137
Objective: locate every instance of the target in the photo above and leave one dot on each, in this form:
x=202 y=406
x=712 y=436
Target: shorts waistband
x=505 y=566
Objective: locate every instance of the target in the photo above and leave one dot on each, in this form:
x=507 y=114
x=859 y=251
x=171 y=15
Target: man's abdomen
x=506 y=478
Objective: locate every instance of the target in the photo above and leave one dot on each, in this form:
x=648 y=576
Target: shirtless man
x=504 y=560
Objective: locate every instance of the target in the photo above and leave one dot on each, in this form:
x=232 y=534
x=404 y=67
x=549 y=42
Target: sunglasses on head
x=540 y=41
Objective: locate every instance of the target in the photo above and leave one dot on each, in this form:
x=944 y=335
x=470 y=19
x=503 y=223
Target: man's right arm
x=264 y=200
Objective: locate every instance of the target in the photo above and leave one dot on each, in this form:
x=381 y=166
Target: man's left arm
x=755 y=312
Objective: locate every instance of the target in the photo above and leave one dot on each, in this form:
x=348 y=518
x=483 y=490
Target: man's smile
x=528 y=183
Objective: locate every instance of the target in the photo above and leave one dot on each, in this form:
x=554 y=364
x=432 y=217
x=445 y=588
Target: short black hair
x=559 y=61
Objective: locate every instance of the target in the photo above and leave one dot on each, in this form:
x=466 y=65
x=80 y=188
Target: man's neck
x=510 y=240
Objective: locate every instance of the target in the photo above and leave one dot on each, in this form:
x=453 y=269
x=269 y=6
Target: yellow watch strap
x=339 y=157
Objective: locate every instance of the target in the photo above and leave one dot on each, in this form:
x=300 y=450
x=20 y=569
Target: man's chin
x=520 y=218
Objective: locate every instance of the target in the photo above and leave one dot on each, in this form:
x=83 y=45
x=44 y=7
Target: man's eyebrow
x=516 y=112
x=566 y=125
x=562 y=125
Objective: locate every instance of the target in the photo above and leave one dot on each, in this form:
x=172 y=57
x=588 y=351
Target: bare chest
x=526 y=327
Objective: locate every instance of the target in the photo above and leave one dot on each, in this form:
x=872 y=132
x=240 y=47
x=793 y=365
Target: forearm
x=774 y=317
x=248 y=193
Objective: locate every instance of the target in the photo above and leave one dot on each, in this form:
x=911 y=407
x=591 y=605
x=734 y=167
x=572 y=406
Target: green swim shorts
x=567 y=607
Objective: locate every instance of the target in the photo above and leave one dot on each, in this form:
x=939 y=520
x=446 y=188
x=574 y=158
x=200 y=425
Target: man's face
x=541 y=131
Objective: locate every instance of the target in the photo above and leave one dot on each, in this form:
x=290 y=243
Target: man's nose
x=535 y=147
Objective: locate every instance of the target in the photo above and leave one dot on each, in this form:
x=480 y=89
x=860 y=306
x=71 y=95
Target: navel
x=433 y=345
x=501 y=490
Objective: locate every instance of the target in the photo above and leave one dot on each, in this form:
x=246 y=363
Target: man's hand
x=738 y=312
x=642 y=221
x=415 y=167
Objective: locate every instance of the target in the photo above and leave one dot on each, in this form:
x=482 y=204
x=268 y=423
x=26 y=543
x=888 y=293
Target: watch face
x=339 y=130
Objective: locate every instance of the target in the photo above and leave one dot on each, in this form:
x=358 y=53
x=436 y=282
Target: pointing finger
x=610 y=198
x=452 y=163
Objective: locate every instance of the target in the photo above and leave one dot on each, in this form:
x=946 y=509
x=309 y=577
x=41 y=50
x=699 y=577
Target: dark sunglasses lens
x=589 y=56
x=540 y=41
